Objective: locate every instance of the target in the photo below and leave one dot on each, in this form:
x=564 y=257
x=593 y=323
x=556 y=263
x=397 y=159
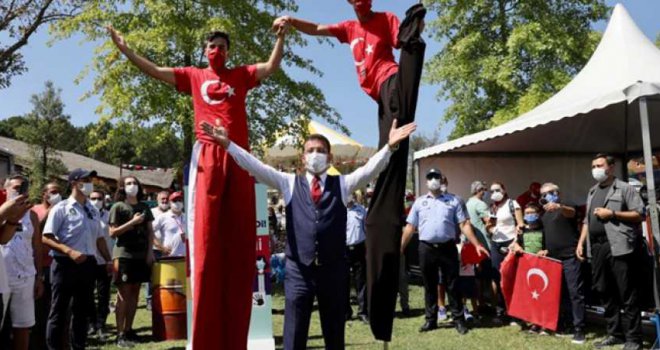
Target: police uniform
x=436 y=218
x=77 y=226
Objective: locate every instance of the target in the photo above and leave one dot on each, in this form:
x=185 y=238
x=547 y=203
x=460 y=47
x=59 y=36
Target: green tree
x=19 y=20
x=170 y=33
x=44 y=129
x=502 y=58
x=9 y=126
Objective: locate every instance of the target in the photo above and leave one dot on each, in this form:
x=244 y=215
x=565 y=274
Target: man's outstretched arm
x=164 y=74
x=266 y=69
x=304 y=26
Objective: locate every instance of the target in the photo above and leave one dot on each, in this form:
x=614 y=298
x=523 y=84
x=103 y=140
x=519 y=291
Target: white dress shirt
x=285 y=181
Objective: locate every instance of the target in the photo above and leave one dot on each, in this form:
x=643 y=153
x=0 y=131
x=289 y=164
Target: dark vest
x=316 y=231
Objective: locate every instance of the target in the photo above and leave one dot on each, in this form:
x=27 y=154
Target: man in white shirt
x=357 y=256
x=163 y=204
x=22 y=260
x=316 y=230
x=10 y=213
x=169 y=228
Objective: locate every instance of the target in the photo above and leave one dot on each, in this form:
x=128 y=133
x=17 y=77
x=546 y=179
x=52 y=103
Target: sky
x=64 y=60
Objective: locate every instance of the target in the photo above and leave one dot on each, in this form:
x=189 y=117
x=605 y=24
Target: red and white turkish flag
x=537 y=291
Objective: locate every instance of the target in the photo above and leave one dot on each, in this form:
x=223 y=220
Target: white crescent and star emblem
x=544 y=277
x=354 y=43
x=208 y=99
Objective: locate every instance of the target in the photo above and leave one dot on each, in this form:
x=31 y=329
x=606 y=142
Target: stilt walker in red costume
x=221 y=231
x=372 y=38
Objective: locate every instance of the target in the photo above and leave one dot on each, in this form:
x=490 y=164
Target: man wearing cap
x=73 y=232
x=357 y=255
x=169 y=233
x=437 y=214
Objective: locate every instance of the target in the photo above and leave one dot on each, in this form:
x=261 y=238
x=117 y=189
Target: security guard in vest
x=437 y=215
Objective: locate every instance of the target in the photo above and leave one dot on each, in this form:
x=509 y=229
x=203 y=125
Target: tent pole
x=650 y=185
x=624 y=163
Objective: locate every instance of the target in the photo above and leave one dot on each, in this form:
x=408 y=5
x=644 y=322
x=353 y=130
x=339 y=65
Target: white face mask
x=86 y=188
x=497 y=196
x=164 y=206
x=433 y=184
x=316 y=163
x=54 y=198
x=97 y=203
x=599 y=174
x=176 y=206
x=131 y=190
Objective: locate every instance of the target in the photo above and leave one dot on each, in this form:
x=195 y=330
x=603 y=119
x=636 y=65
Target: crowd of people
x=607 y=231
x=61 y=256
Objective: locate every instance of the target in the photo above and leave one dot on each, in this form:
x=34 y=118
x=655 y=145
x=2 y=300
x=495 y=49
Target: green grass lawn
x=406 y=335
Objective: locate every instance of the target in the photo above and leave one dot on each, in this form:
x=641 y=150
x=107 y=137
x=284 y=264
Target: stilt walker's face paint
x=362 y=7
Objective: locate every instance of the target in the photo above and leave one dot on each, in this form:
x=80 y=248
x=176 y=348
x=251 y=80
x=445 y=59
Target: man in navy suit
x=316 y=230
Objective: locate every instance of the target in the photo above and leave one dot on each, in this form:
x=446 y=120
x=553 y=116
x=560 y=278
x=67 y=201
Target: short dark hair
x=532 y=205
x=218 y=34
x=608 y=158
x=102 y=192
x=319 y=137
x=18 y=176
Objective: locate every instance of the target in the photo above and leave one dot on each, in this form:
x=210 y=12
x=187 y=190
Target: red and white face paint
x=217 y=58
x=362 y=7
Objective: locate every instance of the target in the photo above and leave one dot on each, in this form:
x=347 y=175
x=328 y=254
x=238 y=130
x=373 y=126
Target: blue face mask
x=551 y=197
x=531 y=218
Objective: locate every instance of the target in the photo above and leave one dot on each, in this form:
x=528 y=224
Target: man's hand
x=109 y=268
x=77 y=256
x=516 y=248
x=481 y=250
x=550 y=207
x=38 y=287
x=543 y=253
x=604 y=213
x=137 y=219
x=117 y=39
x=579 y=252
x=520 y=228
x=279 y=22
x=399 y=134
x=14 y=209
x=282 y=29
x=218 y=133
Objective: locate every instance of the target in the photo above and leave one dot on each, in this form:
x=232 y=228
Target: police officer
x=73 y=232
x=436 y=215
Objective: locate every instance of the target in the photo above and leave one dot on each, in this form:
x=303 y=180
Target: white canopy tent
x=596 y=112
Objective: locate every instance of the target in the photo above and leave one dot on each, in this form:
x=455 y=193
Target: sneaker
x=442 y=314
x=609 y=341
x=124 y=343
x=534 y=329
x=461 y=328
x=578 y=337
x=468 y=316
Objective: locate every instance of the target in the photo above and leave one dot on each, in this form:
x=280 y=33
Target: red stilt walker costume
x=221 y=214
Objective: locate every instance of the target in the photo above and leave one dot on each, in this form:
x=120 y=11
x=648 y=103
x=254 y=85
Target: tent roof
x=342 y=145
x=21 y=151
x=624 y=67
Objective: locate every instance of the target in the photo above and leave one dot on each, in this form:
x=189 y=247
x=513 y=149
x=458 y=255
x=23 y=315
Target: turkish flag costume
x=395 y=89
x=537 y=291
x=221 y=215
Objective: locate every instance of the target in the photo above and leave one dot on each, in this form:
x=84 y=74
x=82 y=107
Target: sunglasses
x=496 y=190
x=433 y=176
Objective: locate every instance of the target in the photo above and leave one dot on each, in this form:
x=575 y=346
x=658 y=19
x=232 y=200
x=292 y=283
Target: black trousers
x=100 y=302
x=615 y=278
x=72 y=285
x=326 y=282
x=572 y=294
x=444 y=258
x=357 y=263
x=398 y=100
